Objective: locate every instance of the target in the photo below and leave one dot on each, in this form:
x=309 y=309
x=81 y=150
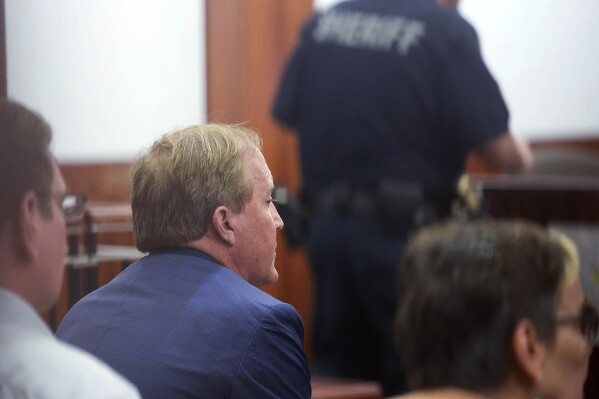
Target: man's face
x=256 y=226
x=52 y=245
x=567 y=361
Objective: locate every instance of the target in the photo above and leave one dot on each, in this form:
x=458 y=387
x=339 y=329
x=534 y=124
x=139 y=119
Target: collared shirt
x=34 y=364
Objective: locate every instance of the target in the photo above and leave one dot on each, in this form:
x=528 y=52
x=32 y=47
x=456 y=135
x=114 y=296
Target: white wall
x=112 y=75
x=545 y=57
x=109 y=75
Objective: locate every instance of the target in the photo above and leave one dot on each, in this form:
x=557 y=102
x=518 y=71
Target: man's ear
x=529 y=350
x=223 y=226
x=26 y=225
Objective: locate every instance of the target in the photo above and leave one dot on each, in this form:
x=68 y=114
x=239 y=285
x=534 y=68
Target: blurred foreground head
x=491 y=304
x=32 y=225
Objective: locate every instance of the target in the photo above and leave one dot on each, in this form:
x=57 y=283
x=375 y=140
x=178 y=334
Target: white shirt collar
x=20 y=314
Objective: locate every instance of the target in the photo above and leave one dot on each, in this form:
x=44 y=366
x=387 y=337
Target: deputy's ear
x=223 y=226
x=26 y=225
x=529 y=350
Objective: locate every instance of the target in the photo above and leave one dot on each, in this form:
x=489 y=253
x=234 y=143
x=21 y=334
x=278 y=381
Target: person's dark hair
x=464 y=287
x=183 y=177
x=25 y=160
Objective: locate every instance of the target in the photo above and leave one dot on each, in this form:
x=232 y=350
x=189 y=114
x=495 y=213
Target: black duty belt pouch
x=398 y=205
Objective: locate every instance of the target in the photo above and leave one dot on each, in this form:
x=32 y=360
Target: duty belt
x=345 y=201
x=395 y=204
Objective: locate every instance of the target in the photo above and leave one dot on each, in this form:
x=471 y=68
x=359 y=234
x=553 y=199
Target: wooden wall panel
x=100 y=182
x=245 y=60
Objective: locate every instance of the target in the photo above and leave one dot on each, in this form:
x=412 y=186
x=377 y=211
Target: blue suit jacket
x=179 y=325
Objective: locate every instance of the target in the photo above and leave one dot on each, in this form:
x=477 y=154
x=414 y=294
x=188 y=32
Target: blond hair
x=183 y=177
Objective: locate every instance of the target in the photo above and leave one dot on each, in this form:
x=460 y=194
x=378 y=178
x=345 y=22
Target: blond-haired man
x=189 y=320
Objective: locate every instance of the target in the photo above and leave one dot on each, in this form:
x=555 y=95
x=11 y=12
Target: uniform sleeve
x=287 y=104
x=275 y=365
x=472 y=105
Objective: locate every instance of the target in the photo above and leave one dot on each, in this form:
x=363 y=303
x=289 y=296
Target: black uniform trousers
x=354 y=263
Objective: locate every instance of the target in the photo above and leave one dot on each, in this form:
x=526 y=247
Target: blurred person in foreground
x=189 y=320
x=33 y=363
x=388 y=98
x=495 y=310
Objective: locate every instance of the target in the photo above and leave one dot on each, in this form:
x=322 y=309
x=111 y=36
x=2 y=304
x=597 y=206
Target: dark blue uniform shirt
x=389 y=89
